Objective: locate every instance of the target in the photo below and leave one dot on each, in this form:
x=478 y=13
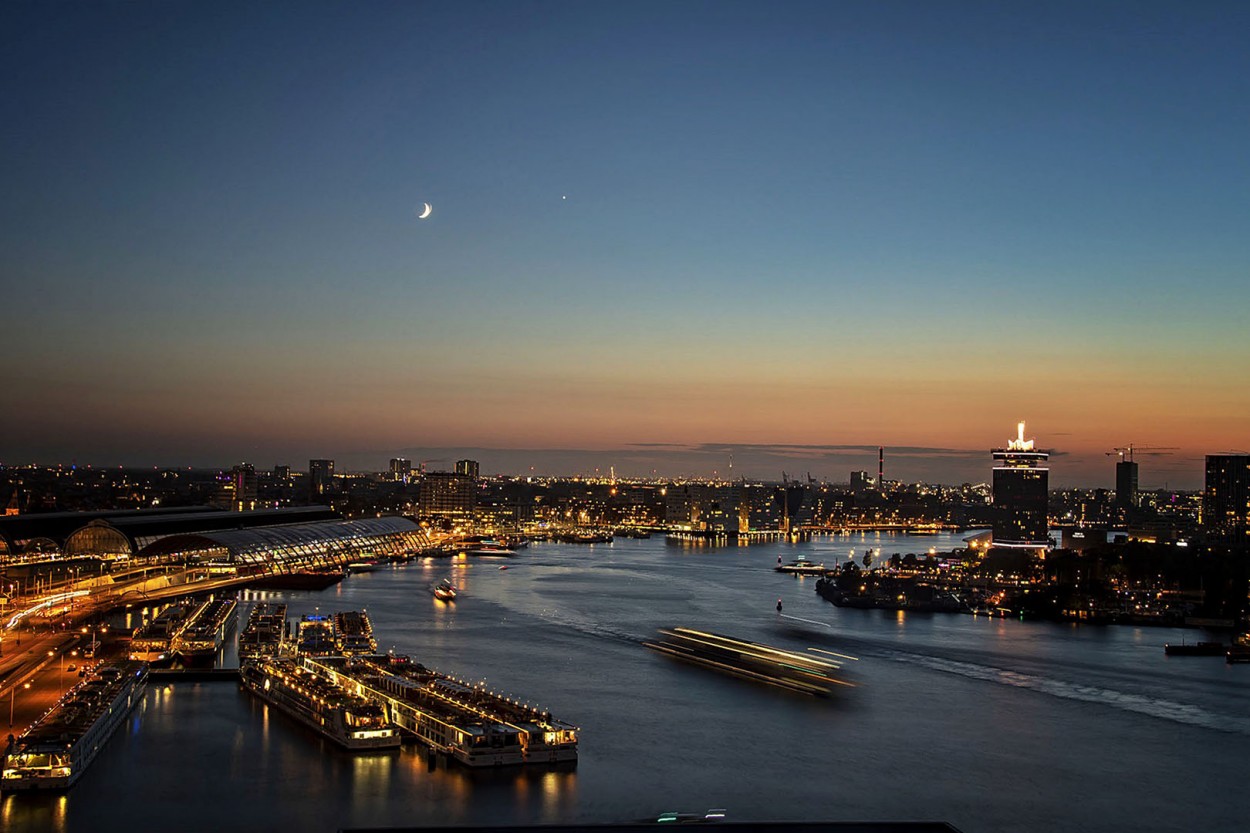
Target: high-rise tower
x=320 y=477
x=401 y=469
x=1126 y=483
x=1226 y=499
x=243 y=477
x=1020 y=494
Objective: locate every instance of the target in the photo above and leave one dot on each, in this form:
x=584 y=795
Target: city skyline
x=657 y=233
x=724 y=461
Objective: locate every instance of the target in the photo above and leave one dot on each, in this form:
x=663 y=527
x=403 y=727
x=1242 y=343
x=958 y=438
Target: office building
x=401 y=468
x=468 y=468
x=447 y=494
x=223 y=491
x=1126 y=484
x=243 y=479
x=1226 y=498
x=320 y=477
x=1020 y=494
x=705 y=507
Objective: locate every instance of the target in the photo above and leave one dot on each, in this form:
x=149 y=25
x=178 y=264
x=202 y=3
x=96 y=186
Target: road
x=36 y=674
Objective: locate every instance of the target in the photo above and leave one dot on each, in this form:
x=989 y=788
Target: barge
x=354 y=722
x=54 y=752
x=318 y=579
x=1195 y=649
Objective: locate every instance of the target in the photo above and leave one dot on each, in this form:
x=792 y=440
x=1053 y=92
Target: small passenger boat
x=800 y=566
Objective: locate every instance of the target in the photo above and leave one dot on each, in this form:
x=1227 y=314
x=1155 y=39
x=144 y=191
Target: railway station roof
x=141 y=527
x=57 y=526
x=295 y=542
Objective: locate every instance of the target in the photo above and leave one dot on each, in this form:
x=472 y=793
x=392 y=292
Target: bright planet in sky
x=426 y=211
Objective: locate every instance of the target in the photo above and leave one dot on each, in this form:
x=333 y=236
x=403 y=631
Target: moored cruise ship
x=316 y=635
x=474 y=726
x=350 y=720
x=264 y=632
x=353 y=633
x=153 y=642
x=200 y=640
x=54 y=752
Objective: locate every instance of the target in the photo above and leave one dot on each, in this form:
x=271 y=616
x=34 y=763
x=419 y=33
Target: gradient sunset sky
x=660 y=232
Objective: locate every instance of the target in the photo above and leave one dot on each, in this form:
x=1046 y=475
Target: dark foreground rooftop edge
x=650 y=827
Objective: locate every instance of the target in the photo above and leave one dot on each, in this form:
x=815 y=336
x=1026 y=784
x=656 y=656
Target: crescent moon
x=426 y=211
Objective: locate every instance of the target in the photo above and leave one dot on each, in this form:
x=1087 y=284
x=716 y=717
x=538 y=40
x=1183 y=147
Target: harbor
x=565 y=631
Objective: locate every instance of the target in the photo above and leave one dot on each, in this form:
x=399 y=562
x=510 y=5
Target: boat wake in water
x=1141 y=704
x=587 y=627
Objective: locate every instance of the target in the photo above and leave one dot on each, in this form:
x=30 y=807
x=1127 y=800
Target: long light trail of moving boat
x=763 y=652
x=833 y=654
x=787 y=669
x=780 y=682
x=805 y=621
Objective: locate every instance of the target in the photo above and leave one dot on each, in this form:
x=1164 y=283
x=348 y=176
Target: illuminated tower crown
x=1019 y=443
x=1020 y=494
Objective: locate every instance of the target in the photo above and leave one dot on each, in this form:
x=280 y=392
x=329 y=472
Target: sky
x=659 y=230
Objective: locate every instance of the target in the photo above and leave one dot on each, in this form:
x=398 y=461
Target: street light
x=12 y=698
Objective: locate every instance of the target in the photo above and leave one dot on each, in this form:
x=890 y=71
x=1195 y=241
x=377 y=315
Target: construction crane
x=1126 y=453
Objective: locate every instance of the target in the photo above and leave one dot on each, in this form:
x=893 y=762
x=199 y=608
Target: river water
x=991 y=725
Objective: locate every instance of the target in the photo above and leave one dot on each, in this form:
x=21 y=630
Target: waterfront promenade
x=37 y=649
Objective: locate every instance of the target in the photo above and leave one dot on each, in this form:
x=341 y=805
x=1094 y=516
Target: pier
x=722 y=536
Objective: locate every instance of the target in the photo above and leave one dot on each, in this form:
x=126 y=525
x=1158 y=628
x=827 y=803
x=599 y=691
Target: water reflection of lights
x=371 y=774
x=553 y=788
x=559 y=790
x=418 y=766
x=34 y=812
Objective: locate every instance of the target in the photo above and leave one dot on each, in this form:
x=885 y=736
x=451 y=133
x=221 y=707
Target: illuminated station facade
x=1020 y=494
